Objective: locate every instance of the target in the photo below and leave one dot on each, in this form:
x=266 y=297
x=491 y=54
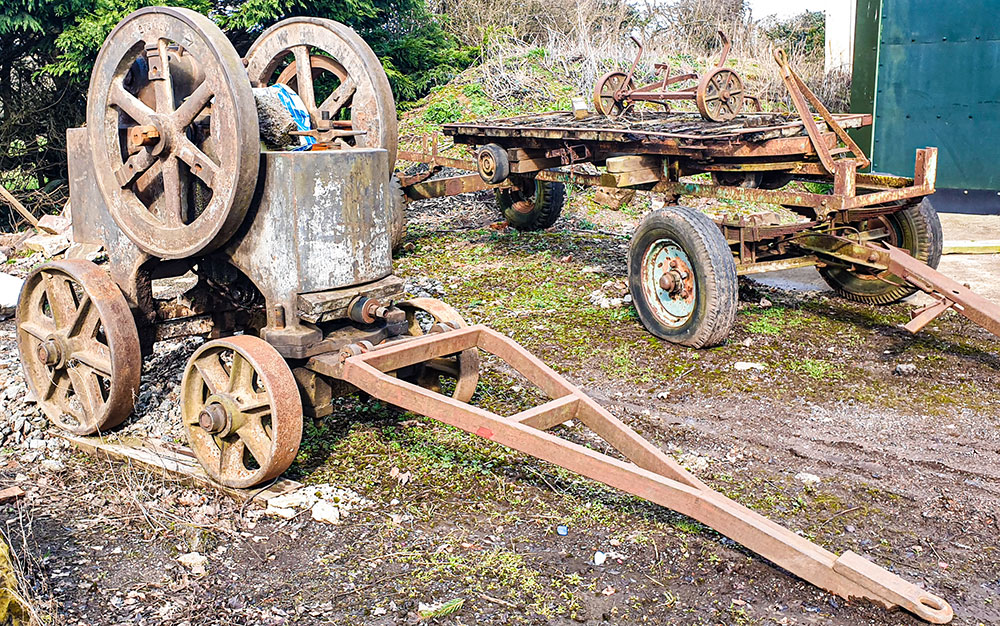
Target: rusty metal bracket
x=647 y=472
x=800 y=94
x=947 y=292
x=569 y=155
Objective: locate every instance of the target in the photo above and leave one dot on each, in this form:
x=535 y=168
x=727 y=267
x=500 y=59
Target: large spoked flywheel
x=339 y=78
x=173 y=127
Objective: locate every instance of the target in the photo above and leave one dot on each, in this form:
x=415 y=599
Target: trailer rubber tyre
x=536 y=205
x=915 y=229
x=494 y=167
x=682 y=278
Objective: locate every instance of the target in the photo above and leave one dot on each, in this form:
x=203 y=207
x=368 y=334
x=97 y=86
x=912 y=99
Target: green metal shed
x=929 y=72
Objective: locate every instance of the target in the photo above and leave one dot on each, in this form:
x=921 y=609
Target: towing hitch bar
x=647 y=473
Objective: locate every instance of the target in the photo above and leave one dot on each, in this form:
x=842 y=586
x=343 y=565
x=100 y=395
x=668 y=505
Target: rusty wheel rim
x=312 y=46
x=79 y=346
x=173 y=126
x=669 y=283
x=720 y=95
x=463 y=367
x=241 y=410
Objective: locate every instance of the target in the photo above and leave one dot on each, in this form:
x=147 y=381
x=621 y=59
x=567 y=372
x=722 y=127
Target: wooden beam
x=25 y=213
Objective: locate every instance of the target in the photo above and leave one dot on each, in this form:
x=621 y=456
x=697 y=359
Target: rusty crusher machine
x=293 y=258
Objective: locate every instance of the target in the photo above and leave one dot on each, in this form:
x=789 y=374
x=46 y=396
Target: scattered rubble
x=326 y=503
x=49 y=245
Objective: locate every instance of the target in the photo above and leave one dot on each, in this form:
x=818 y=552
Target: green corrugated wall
x=929 y=70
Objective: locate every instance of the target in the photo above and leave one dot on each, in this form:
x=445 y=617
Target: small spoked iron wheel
x=915 y=228
x=719 y=95
x=462 y=367
x=605 y=100
x=241 y=410
x=79 y=346
x=532 y=204
x=682 y=277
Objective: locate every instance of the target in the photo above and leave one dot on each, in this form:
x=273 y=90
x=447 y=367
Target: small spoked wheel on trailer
x=605 y=100
x=79 y=346
x=532 y=204
x=241 y=410
x=719 y=95
x=463 y=367
x=915 y=228
x=682 y=277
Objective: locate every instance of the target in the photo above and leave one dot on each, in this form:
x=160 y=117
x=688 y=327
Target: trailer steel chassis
x=751 y=158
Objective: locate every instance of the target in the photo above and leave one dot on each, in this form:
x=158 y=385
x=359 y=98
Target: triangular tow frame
x=649 y=473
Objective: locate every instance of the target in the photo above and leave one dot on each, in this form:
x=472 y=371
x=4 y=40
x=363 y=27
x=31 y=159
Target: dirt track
x=909 y=470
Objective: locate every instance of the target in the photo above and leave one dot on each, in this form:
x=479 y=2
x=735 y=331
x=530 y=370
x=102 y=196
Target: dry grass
x=582 y=40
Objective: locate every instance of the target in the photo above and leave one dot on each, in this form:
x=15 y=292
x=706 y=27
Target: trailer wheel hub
x=670 y=282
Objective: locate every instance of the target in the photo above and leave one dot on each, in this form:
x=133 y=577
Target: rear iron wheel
x=719 y=95
x=337 y=76
x=533 y=204
x=682 y=278
x=241 y=409
x=79 y=346
x=916 y=229
x=463 y=367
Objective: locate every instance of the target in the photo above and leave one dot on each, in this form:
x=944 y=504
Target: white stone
x=10 y=289
x=323 y=511
x=85 y=251
x=807 y=479
x=600 y=558
x=49 y=245
x=742 y=366
x=53 y=465
x=195 y=561
x=279 y=512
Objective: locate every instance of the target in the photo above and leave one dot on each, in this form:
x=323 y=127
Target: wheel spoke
x=59 y=381
x=240 y=375
x=60 y=296
x=193 y=105
x=254 y=403
x=336 y=100
x=257 y=441
x=86 y=387
x=130 y=105
x=86 y=315
x=231 y=457
x=96 y=357
x=201 y=166
x=136 y=165
x=212 y=373
x=304 y=80
x=163 y=86
x=38 y=329
x=173 y=200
